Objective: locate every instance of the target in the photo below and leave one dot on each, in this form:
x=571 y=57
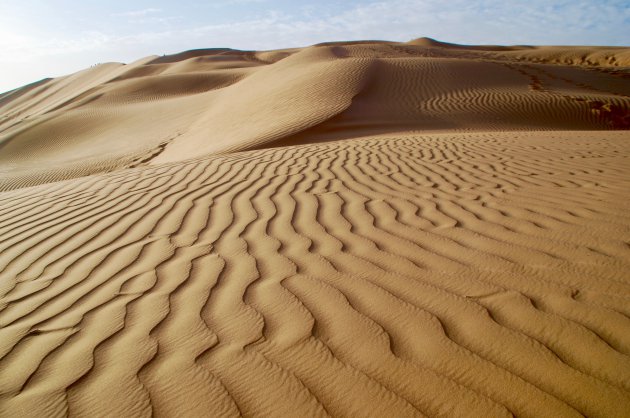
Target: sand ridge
x=350 y=229
x=170 y=108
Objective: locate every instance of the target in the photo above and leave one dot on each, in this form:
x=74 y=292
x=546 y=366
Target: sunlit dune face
x=349 y=229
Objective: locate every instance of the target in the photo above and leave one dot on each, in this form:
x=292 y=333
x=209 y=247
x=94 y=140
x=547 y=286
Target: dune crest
x=175 y=107
x=349 y=229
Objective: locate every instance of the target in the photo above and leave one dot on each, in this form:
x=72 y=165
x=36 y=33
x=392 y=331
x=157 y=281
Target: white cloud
x=29 y=48
x=138 y=13
x=243 y=1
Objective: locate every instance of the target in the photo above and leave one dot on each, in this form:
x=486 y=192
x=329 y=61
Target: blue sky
x=42 y=38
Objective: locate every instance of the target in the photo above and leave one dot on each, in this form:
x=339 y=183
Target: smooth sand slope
x=182 y=106
x=350 y=229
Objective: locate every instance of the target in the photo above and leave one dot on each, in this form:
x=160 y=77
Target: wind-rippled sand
x=351 y=229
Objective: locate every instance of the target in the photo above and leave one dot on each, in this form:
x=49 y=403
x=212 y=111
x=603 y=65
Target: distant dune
x=362 y=228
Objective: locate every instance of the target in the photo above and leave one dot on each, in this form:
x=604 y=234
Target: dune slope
x=163 y=109
x=350 y=229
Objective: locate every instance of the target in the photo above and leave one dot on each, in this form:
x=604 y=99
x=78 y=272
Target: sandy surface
x=350 y=229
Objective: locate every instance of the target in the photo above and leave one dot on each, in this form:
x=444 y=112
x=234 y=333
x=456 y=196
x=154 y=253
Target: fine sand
x=350 y=229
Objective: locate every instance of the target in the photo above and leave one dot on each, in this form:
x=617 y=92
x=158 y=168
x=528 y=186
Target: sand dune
x=350 y=229
x=114 y=116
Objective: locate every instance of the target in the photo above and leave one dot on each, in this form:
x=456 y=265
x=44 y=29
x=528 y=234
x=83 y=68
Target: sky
x=49 y=38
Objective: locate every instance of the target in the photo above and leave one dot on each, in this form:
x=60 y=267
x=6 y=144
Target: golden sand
x=351 y=229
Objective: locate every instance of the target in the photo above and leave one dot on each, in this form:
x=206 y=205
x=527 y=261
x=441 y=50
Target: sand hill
x=349 y=229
